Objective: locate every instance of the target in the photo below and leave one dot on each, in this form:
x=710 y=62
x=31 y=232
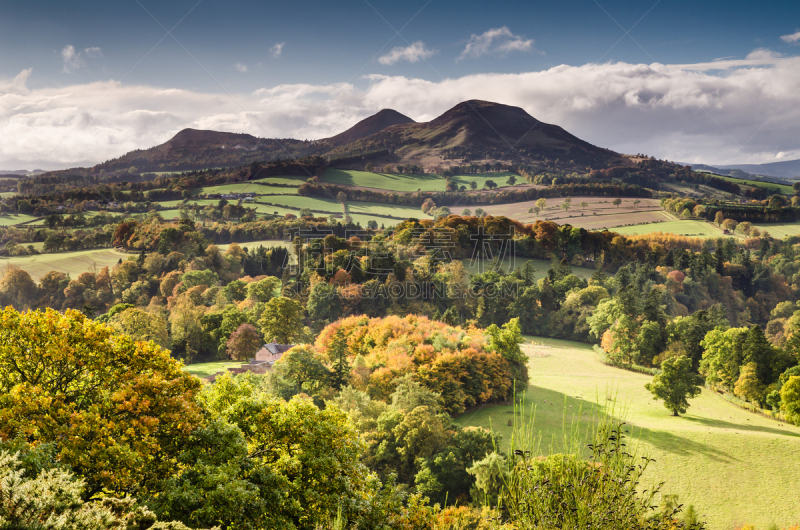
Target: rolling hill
x=472 y=131
x=481 y=130
x=369 y=126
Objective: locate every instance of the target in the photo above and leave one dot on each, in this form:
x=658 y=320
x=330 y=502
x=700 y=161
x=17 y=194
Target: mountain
x=200 y=149
x=369 y=126
x=471 y=132
x=481 y=130
x=787 y=169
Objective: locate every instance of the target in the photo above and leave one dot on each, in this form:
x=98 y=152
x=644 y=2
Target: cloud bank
x=732 y=112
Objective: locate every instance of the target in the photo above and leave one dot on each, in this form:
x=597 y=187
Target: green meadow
x=72 y=263
x=734 y=466
x=9 y=219
x=411 y=182
x=682 y=228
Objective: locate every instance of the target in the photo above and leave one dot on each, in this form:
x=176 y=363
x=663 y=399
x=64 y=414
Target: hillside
x=199 y=149
x=369 y=126
x=482 y=130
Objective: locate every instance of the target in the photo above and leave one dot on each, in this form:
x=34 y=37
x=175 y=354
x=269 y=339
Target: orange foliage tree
x=454 y=362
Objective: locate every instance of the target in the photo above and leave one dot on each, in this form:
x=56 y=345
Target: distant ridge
x=470 y=132
x=192 y=138
x=369 y=126
x=478 y=130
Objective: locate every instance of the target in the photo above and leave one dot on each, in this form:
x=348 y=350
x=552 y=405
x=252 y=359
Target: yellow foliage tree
x=114 y=409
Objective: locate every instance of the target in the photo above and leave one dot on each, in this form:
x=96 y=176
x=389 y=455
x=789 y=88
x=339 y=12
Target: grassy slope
x=778 y=188
x=686 y=228
x=732 y=465
x=248 y=187
x=72 y=263
x=403 y=182
x=7 y=219
x=780 y=230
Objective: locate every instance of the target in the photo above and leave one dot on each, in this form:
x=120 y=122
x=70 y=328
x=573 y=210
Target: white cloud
x=75 y=60
x=743 y=114
x=794 y=37
x=411 y=53
x=240 y=67
x=496 y=40
x=277 y=49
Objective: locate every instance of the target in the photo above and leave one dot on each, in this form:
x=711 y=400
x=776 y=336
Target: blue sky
x=327 y=64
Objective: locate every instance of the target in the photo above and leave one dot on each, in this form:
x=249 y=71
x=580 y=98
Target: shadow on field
x=720 y=424
x=555 y=409
x=679 y=445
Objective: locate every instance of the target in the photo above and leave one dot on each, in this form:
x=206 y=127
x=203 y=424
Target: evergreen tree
x=340 y=367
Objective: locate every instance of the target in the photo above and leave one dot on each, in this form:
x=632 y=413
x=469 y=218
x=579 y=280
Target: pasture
x=769 y=186
x=203 y=370
x=384 y=181
x=689 y=228
x=256 y=187
x=72 y=263
x=599 y=212
x=411 y=182
x=734 y=466
x=780 y=230
x=9 y=219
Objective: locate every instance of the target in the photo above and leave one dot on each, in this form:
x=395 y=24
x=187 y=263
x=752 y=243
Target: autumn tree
x=141 y=325
x=244 y=343
x=675 y=384
x=17 y=288
x=115 y=409
x=719 y=218
x=281 y=320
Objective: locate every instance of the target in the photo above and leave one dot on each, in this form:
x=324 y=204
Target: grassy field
x=8 y=219
x=5 y=194
x=248 y=187
x=598 y=214
x=734 y=466
x=207 y=369
x=384 y=181
x=403 y=182
x=286 y=179
x=683 y=228
x=776 y=188
x=72 y=263
x=780 y=230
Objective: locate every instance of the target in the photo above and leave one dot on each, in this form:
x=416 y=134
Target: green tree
x=141 y=325
x=675 y=384
x=263 y=290
x=616 y=202
x=473 y=185
x=506 y=342
x=338 y=353
x=324 y=303
x=790 y=399
x=281 y=320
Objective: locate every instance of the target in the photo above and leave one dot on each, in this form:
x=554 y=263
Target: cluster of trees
x=99 y=431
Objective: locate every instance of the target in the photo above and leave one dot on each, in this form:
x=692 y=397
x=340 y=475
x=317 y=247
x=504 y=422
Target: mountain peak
x=369 y=126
